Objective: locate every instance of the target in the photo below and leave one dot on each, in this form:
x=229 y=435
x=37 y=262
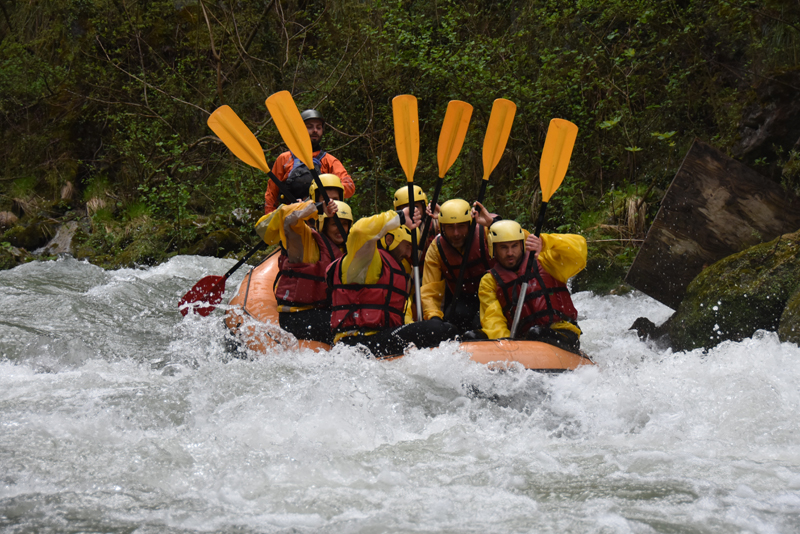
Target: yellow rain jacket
x=562 y=255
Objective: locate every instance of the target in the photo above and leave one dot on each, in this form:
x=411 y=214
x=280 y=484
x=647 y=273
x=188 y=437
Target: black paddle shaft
x=467 y=247
x=433 y=209
x=411 y=208
x=327 y=199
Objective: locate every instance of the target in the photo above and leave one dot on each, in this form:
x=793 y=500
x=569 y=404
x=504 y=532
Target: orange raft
x=252 y=318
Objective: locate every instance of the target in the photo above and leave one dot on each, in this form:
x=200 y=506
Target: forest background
x=104 y=106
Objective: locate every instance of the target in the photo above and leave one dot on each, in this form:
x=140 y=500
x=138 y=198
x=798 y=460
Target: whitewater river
x=119 y=415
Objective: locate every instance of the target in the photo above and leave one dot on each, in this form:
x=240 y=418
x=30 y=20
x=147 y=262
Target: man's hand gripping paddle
x=494 y=144
x=451 y=139
x=406 y=137
x=244 y=145
x=295 y=134
x=556 y=154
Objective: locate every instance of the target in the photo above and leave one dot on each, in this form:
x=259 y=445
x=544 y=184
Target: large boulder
x=789 y=327
x=738 y=295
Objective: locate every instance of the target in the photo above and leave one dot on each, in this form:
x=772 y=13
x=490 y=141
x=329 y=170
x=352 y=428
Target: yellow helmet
x=455 y=211
x=401 y=196
x=344 y=213
x=504 y=231
x=328 y=180
x=400 y=234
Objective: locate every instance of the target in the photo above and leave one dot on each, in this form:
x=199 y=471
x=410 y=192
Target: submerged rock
x=738 y=295
x=789 y=327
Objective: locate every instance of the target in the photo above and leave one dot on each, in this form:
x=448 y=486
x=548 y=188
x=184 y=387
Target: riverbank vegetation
x=104 y=105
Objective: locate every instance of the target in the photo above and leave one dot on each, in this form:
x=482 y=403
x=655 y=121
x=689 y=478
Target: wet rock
x=648 y=331
x=217 y=244
x=789 y=327
x=62 y=242
x=149 y=247
x=738 y=295
x=34 y=233
x=10 y=257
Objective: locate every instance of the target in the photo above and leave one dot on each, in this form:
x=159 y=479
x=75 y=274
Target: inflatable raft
x=252 y=318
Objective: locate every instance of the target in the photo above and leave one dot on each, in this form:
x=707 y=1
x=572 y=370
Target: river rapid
x=119 y=415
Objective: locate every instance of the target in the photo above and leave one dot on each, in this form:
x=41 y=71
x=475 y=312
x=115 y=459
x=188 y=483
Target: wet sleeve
x=493 y=321
x=287 y=226
x=563 y=255
x=331 y=165
x=433 y=285
x=362 y=263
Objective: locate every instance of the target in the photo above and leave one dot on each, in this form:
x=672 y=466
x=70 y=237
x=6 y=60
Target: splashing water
x=119 y=415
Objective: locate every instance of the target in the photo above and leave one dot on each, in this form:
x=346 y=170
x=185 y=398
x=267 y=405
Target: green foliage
x=114 y=96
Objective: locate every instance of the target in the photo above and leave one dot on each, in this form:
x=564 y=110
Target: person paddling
x=548 y=314
x=370 y=288
x=443 y=263
x=297 y=176
x=300 y=287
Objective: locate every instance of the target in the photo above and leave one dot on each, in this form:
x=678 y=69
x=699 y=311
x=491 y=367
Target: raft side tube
x=252 y=318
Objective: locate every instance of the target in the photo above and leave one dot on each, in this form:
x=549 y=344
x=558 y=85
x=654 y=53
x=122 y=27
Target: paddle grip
x=327 y=199
x=436 y=191
x=467 y=247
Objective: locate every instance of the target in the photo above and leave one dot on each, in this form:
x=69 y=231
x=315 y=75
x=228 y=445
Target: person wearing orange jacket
x=297 y=176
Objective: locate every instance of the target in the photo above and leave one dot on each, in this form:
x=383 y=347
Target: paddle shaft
x=414 y=252
x=327 y=199
x=467 y=247
x=531 y=260
x=428 y=219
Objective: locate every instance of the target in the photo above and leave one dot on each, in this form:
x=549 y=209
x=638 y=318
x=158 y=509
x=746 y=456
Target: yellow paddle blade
x=557 y=151
x=291 y=126
x=406 y=133
x=494 y=143
x=454 y=130
x=237 y=137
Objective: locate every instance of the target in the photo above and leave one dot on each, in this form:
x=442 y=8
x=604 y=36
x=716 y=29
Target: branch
x=151 y=86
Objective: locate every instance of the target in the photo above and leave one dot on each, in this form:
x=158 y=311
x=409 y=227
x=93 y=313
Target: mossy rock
x=32 y=233
x=10 y=257
x=149 y=247
x=218 y=243
x=789 y=327
x=738 y=295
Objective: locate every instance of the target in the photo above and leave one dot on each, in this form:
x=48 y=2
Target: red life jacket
x=478 y=262
x=547 y=300
x=303 y=284
x=368 y=306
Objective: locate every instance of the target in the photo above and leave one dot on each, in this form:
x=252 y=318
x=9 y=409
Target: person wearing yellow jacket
x=548 y=313
x=370 y=288
x=300 y=287
x=443 y=265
